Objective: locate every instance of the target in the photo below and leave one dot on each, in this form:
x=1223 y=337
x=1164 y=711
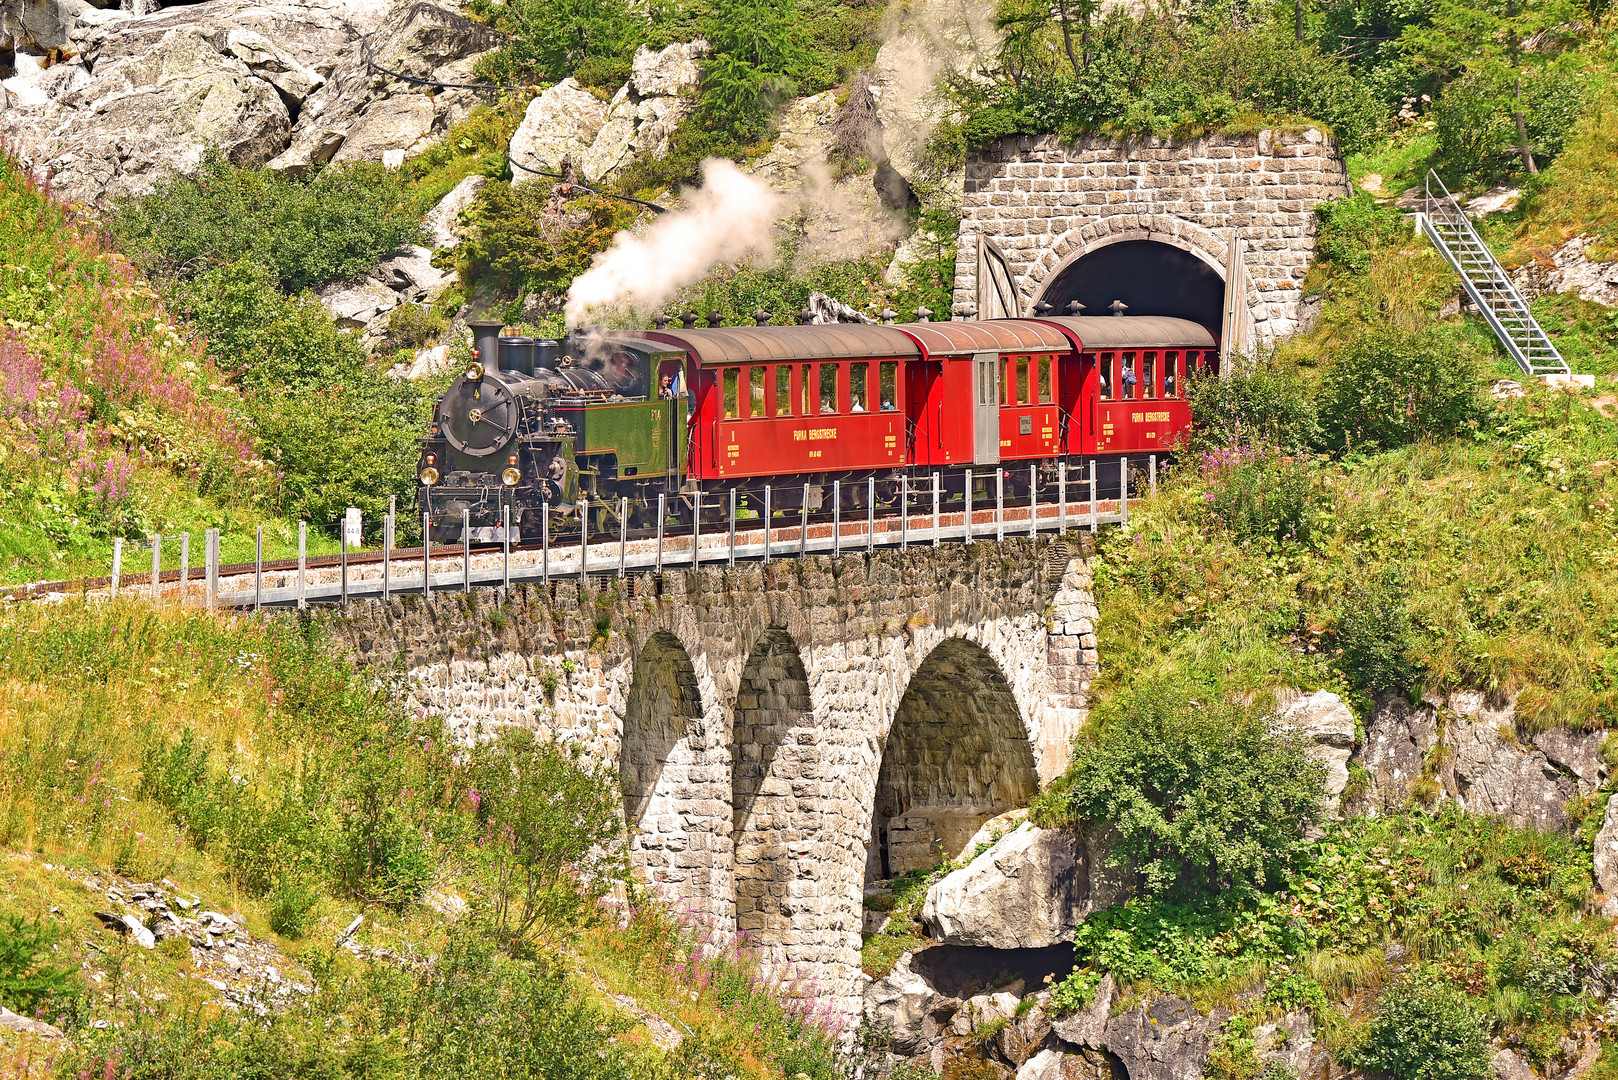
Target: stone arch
x=768 y=763
x=957 y=753
x=663 y=766
x=1158 y=266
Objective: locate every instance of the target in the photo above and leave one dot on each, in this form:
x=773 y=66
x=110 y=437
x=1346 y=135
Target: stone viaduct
x=1218 y=229
x=783 y=732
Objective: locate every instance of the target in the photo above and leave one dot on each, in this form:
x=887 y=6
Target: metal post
x=303 y=531
x=117 y=562
x=157 y=566
x=342 y=546
x=870 y=514
x=836 y=517
x=732 y=558
x=466 y=553
x=1151 y=464
x=803 y=530
x=258 y=569
x=1033 y=500
x=1061 y=496
x=999 y=503
x=1123 y=490
x=426 y=555
x=545 y=543
x=767 y=520
x=210 y=559
x=584 y=540
x=185 y=564
x=1093 y=507
x=935 y=509
x=662 y=510
x=387 y=553
x=623 y=532
x=696 y=528
x=904 y=512
x=968 y=491
x=505 y=547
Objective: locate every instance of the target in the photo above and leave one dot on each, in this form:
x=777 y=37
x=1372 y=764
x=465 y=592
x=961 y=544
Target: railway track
x=722 y=540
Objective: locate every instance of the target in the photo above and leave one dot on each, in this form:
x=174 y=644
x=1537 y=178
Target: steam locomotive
x=580 y=428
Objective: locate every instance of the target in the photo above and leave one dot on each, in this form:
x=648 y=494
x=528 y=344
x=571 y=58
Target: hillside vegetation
x=241 y=766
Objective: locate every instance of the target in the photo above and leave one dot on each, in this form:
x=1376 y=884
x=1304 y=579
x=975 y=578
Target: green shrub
x=292 y=901
x=514 y=240
x=1477 y=136
x=1426 y=1030
x=410 y=326
x=552 y=824
x=1390 y=388
x=594 y=40
x=1375 y=641
x=1255 y=405
x=1353 y=227
x=1293 y=991
x=259 y=338
x=28 y=979
x=1260 y=496
x=1204 y=795
x=335 y=225
x=1075 y=992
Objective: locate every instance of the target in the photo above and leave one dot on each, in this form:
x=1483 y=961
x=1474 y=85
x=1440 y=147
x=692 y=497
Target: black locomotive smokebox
x=517 y=354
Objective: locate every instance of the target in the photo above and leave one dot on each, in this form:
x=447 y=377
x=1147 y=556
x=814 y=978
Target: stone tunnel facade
x=782 y=733
x=1045 y=205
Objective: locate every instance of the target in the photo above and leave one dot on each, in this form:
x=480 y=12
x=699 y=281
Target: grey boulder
x=560 y=123
x=1028 y=891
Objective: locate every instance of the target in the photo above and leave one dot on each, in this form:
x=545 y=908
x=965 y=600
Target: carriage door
x=985 y=409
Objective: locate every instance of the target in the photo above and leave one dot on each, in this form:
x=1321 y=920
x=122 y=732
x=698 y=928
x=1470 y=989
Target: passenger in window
x=856 y=407
x=887 y=405
x=1168 y=379
x=1106 y=379
x=828 y=404
x=665 y=388
x=1128 y=378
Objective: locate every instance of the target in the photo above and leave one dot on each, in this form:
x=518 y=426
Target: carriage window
x=1046 y=394
x=828 y=388
x=1148 y=375
x=782 y=373
x=806 y=386
x=859 y=387
x=1007 y=376
x=1171 y=382
x=755 y=387
x=1104 y=369
x=1128 y=378
x=1022 y=364
x=888 y=377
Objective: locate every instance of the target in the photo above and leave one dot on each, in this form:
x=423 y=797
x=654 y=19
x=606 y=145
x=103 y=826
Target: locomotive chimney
x=486 y=344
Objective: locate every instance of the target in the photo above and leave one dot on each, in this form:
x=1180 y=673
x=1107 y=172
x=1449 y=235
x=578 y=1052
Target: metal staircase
x=1503 y=308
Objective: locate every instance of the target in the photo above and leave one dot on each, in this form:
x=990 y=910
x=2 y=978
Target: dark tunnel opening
x=1152 y=278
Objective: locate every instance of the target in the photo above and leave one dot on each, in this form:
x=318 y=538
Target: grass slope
x=239 y=764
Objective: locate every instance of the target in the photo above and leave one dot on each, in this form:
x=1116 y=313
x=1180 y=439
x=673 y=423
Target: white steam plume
x=728 y=217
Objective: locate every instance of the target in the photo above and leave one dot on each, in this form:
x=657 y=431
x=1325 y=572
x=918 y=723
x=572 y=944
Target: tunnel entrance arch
x=1152 y=275
x=956 y=755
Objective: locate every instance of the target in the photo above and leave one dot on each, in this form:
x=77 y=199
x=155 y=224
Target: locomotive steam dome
x=479 y=416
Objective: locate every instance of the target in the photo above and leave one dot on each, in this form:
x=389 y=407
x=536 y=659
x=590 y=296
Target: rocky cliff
x=131 y=98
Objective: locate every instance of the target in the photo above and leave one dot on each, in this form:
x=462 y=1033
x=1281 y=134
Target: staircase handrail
x=1444 y=207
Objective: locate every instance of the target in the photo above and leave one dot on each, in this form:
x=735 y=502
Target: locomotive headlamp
x=429 y=476
x=474 y=371
x=511 y=476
